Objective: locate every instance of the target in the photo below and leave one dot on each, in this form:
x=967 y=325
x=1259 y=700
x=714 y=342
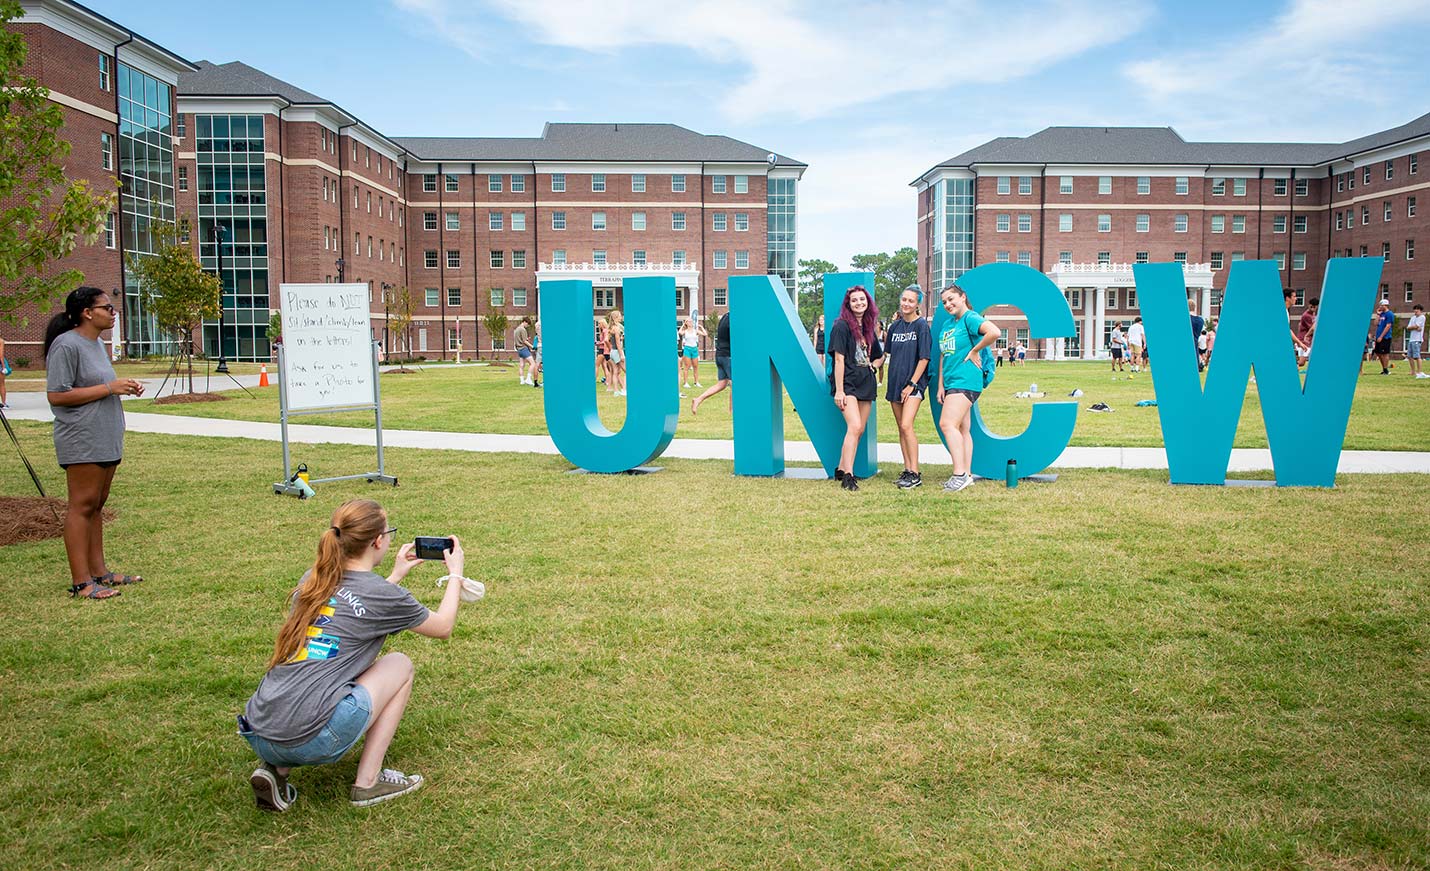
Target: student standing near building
x=1197 y=326
x=690 y=335
x=536 y=356
x=1308 y=321
x=1384 y=322
x=603 y=352
x=525 y=366
x=618 y=352
x=1115 y=341
x=326 y=685
x=854 y=342
x=1414 y=340
x=960 y=379
x=722 y=364
x=909 y=345
x=819 y=338
x=1136 y=339
x=89 y=432
x=4 y=370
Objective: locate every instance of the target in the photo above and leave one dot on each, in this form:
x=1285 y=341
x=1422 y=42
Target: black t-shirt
x=908 y=344
x=819 y=341
x=859 y=380
x=722 y=336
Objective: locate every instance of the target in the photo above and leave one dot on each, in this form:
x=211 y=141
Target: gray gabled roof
x=237 y=79
x=585 y=142
x=1163 y=145
x=595 y=142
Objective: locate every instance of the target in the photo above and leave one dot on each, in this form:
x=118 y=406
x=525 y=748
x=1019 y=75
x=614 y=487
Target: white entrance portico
x=1095 y=279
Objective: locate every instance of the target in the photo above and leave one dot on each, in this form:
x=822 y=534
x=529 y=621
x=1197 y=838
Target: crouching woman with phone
x=326 y=683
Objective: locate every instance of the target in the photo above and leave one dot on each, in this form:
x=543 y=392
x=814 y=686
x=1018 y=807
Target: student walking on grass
x=960 y=379
x=854 y=342
x=722 y=364
x=526 y=359
x=326 y=684
x=909 y=345
x=89 y=432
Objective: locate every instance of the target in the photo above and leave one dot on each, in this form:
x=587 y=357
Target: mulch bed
x=32 y=519
x=402 y=371
x=184 y=398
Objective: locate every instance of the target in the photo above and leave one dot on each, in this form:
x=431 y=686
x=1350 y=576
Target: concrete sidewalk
x=1242 y=459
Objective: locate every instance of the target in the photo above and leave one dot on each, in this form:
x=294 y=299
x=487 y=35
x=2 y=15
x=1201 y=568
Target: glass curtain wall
x=146 y=196
x=953 y=230
x=781 y=199
x=233 y=217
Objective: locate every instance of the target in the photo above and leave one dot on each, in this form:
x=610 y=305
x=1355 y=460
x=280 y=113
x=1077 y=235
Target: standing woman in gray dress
x=89 y=432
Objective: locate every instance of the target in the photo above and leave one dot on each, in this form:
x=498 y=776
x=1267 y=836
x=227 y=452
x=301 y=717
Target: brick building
x=1084 y=203
x=115 y=91
x=282 y=185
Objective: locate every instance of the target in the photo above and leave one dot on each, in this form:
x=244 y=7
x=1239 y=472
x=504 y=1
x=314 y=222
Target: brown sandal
x=97 y=591
x=117 y=580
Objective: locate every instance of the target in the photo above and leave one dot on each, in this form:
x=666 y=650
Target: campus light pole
x=386 y=315
x=219 y=231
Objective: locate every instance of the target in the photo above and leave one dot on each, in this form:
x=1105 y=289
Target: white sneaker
x=620 y=393
x=698 y=384
x=958 y=482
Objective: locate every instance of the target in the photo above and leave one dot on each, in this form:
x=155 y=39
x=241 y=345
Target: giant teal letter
x=1305 y=428
x=653 y=405
x=767 y=344
x=1051 y=426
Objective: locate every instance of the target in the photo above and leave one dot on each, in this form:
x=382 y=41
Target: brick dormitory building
x=1084 y=203
x=282 y=185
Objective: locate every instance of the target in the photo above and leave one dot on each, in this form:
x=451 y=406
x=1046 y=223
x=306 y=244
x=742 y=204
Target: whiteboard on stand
x=327 y=346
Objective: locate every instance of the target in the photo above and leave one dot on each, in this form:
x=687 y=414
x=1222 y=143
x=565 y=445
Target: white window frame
x=598 y=221
x=518 y=221
x=1003 y=223
x=1065 y=222
x=1025 y=185
x=1182 y=185
x=518 y=258
x=1005 y=185
x=677 y=184
x=496 y=221
x=638 y=222
x=1238 y=223
x=558 y=182
x=1065 y=184
x=518 y=297
x=496 y=296
x=1144 y=223
x=719 y=222
x=454 y=258
x=558 y=220
x=742 y=222
x=677 y=221
x=599 y=256
x=432 y=297
x=106 y=151
x=452 y=221
x=1025 y=223
x=452 y=183
x=1238 y=187
x=742 y=259
x=720 y=259
x=717 y=184
x=454 y=297
x=742 y=186
x=1104 y=185
x=496 y=259
x=638 y=183
x=598 y=182
x=494 y=183
x=1144 y=185
x=518 y=183
x=1104 y=223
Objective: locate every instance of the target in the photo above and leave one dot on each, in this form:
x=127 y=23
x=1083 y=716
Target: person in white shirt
x=1414 y=337
x=1117 y=343
x=1136 y=337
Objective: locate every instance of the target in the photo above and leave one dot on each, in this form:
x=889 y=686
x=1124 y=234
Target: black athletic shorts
x=1382 y=346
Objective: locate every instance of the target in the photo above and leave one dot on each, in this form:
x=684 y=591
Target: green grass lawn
x=1388 y=413
x=692 y=670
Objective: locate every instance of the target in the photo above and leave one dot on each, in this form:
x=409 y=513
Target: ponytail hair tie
x=336 y=531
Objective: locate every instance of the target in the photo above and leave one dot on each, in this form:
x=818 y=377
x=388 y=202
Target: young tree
x=892 y=273
x=810 y=283
x=177 y=291
x=399 y=317
x=495 y=321
x=43 y=214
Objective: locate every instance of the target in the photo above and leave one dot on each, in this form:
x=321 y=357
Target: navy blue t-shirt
x=907 y=344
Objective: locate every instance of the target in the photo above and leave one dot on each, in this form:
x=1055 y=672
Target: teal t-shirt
x=954 y=343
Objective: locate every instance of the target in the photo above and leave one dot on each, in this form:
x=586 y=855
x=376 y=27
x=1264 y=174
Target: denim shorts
x=1412 y=350
x=347 y=724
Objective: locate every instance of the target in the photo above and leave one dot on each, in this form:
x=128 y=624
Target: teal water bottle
x=1012 y=473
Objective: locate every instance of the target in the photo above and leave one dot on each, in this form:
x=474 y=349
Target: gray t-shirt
x=295 y=699
x=93 y=432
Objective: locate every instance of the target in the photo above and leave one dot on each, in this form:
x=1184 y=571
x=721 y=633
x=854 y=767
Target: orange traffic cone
x=263 y=375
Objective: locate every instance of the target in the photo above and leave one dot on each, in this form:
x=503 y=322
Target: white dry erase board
x=327 y=345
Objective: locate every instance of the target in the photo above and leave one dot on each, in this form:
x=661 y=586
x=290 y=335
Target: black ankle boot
x=839 y=474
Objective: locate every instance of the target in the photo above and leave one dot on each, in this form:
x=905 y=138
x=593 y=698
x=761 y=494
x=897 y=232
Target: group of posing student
x=907 y=355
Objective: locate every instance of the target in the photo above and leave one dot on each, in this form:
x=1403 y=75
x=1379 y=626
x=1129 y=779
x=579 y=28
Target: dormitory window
x=637 y=220
x=494 y=184
x=1144 y=185
x=1216 y=260
x=1104 y=184
x=454 y=221
x=598 y=257
x=718 y=222
x=454 y=296
x=720 y=258
x=429 y=220
x=429 y=183
x=1003 y=223
x=638 y=256
x=1025 y=223
x=109 y=230
x=518 y=296
x=1389 y=170
x=1182 y=185
x=106 y=151
x=677 y=184
x=429 y=259
x=1218 y=187
x=431 y=297
x=1278 y=187
x=598 y=182
x=742 y=221
x=1299 y=223
x=677 y=220
x=742 y=259
x=518 y=184
x=179 y=125
x=558 y=257
x=717 y=184
x=558 y=182
x=1004 y=188
x=1278 y=224
x=1303 y=187
x=720 y=292
x=1065 y=223
x=518 y=220
x=104 y=72
x=1025 y=184
x=1238 y=187
x=494 y=220
x=742 y=186
x=451 y=183
x=558 y=220
x=598 y=220
x=454 y=259
x=498 y=258
x=183 y=178
x=518 y=261
x=1065 y=184
x=638 y=183
x=1179 y=224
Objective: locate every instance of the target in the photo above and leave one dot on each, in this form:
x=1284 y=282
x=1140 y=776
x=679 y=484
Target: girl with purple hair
x=854 y=342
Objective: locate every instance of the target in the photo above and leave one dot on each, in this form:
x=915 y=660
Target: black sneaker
x=839 y=474
x=850 y=483
x=913 y=480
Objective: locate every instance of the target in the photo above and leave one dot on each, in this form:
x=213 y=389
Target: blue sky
x=868 y=94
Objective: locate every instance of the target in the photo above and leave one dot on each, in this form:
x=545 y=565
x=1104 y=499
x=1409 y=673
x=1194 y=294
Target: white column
x=1100 y=319
x=1088 y=307
x=1059 y=348
x=1206 y=304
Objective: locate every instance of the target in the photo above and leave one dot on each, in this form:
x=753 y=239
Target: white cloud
x=806 y=59
x=1281 y=78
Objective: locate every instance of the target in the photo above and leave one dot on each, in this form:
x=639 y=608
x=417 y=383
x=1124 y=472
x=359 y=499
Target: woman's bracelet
x=110 y=389
x=445 y=578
